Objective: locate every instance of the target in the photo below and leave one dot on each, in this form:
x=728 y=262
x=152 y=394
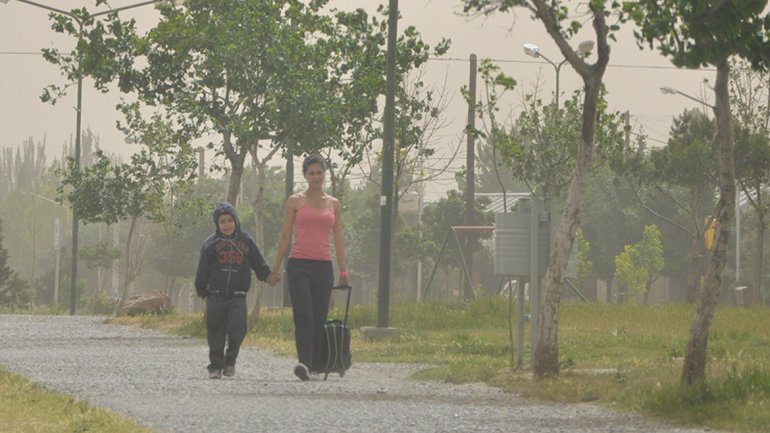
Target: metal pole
x=520 y=312
x=737 y=239
x=558 y=70
x=75 y=222
x=534 y=277
x=289 y=190
x=56 y=237
x=470 y=163
x=419 y=242
x=386 y=195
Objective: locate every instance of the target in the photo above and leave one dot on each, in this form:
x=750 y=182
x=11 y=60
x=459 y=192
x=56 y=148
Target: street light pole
x=386 y=194
x=78 y=111
x=56 y=245
x=532 y=50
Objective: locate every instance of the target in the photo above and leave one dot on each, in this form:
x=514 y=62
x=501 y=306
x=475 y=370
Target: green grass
x=625 y=357
x=28 y=408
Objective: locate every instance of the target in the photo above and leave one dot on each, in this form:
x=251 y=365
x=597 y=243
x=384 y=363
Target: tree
x=684 y=172
x=695 y=34
x=100 y=255
x=749 y=92
x=110 y=191
x=438 y=218
x=552 y=15
x=25 y=170
x=639 y=264
x=13 y=290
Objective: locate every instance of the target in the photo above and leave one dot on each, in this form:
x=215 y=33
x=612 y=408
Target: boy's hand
x=273 y=278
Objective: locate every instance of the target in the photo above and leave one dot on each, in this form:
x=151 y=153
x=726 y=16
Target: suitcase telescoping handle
x=349 y=288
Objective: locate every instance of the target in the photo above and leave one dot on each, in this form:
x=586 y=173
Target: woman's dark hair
x=313 y=159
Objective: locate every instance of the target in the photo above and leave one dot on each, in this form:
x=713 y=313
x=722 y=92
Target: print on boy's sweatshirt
x=231 y=253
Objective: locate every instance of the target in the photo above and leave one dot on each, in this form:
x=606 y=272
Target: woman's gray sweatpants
x=310 y=287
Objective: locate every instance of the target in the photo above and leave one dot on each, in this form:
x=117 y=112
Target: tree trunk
x=696 y=251
x=546 y=362
x=694 y=368
x=547 y=352
x=127 y=276
x=236 y=158
x=259 y=236
x=236 y=174
x=693 y=259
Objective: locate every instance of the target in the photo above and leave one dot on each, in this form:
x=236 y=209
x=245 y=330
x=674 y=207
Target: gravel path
x=160 y=381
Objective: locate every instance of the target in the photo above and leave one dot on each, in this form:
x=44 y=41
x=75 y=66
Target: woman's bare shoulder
x=334 y=203
x=295 y=200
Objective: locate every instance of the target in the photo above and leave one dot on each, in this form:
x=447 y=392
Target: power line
x=20 y=53
x=535 y=62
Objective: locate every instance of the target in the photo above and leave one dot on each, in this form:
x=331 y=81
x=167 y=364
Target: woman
x=310 y=215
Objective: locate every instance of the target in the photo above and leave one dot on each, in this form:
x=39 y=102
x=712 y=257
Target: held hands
x=273 y=278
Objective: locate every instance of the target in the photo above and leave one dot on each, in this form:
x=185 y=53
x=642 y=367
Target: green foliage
x=676 y=183
x=541 y=147
x=14 y=291
x=697 y=34
x=361 y=215
x=611 y=218
x=99 y=255
x=741 y=394
x=584 y=264
x=23 y=171
x=26 y=407
x=638 y=263
x=630 y=275
x=110 y=191
x=689 y=160
x=625 y=357
x=450 y=211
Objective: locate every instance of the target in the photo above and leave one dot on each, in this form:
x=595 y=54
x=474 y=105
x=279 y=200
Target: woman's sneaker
x=301 y=372
x=215 y=374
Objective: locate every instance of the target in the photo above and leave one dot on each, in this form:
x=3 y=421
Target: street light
x=78 y=111
x=667 y=90
x=584 y=48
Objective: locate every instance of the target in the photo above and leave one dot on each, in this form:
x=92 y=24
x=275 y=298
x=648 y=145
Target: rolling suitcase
x=334 y=354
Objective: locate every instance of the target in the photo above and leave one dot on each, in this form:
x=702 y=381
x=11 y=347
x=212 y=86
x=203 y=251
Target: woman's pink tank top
x=311 y=233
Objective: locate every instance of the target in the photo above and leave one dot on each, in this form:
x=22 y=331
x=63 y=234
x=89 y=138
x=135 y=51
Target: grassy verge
x=28 y=408
x=626 y=357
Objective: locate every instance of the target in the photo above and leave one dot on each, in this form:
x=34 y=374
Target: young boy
x=222 y=280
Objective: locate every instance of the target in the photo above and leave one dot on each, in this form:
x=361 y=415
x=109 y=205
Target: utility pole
x=470 y=163
x=289 y=190
x=386 y=194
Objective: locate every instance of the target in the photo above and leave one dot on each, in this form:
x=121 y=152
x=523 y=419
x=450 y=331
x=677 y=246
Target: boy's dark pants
x=225 y=319
x=310 y=286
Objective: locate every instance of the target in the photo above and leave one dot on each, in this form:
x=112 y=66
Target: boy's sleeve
x=257 y=262
x=202 y=275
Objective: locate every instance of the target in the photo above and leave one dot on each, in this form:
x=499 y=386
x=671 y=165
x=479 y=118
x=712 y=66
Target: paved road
x=160 y=381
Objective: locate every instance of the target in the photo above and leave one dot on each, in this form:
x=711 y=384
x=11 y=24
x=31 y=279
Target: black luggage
x=334 y=354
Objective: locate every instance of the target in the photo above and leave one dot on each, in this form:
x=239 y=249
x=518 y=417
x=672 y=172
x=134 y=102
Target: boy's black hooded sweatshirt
x=224 y=264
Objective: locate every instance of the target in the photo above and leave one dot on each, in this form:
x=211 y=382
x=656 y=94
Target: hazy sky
x=633 y=78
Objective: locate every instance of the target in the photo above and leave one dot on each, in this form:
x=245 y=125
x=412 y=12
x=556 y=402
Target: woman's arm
x=339 y=243
x=283 y=241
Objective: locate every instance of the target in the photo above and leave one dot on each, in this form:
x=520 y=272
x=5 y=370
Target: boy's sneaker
x=229 y=371
x=215 y=374
x=301 y=372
